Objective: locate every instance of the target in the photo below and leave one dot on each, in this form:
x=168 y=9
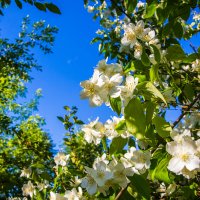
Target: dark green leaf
x=167 y=29
x=117 y=145
x=40 y=6
x=53 y=8
x=135 y=118
x=116 y=104
x=141 y=185
x=175 y=53
x=144 y=58
x=150 y=111
x=61 y=119
x=18 y=3
x=163 y=128
x=189 y=92
x=178 y=30
x=156 y=51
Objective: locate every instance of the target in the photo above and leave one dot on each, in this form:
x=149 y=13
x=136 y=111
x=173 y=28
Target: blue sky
x=73 y=61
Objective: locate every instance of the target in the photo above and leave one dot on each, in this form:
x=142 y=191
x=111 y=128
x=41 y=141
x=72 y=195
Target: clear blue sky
x=73 y=61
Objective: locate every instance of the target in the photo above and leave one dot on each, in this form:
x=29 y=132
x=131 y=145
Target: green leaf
x=61 y=119
x=144 y=58
x=18 y=3
x=189 y=92
x=53 y=8
x=190 y=58
x=67 y=108
x=150 y=10
x=116 y=104
x=117 y=145
x=178 y=30
x=158 y=169
x=156 y=51
x=130 y=5
x=175 y=53
x=150 y=111
x=104 y=143
x=141 y=185
x=129 y=67
x=147 y=88
x=40 y=6
x=154 y=73
x=135 y=118
x=167 y=29
x=162 y=127
x=121 y=126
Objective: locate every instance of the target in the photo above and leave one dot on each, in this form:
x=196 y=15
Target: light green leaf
x=162 y=127
x=150 y=111
x=154 y=73
x=150 y=10
x=158 y=169
x=147 y=88
x=135 y=118
x=116 y=104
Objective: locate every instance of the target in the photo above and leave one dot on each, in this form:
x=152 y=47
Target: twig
x=183 y=113
x=121 y=192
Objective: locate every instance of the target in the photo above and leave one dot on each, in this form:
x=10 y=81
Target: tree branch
x=121 y=192
x=183 y=113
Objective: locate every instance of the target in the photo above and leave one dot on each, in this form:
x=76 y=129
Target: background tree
x=23 y=142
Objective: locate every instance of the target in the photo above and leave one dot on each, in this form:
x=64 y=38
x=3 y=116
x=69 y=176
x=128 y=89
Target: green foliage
x=43 y=6
x=135 y=118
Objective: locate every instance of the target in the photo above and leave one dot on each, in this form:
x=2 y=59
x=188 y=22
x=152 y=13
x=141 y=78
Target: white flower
x=29 y=189
x=56 y=196
x=183 y=155
x=74 y=194
x=75 y=181
x=140 y=4
x=128 y=89
x=90 y=9
x=42 y=186
x=108 y=69
x=130 y=37
x=93 y=132
x=139 y=29
x=109 y=86
x=100 y=173
x=110 y=125
x=137 y=50
x=26 y=172
x=91 y=90
x=139 y=159
x=61 y=159
x=90 y=184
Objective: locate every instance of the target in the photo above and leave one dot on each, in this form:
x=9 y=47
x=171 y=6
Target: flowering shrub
x=141 y=155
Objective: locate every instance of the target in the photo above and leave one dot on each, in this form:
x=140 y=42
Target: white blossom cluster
x=105 y=174
x=107 y=81
x=135 y=35
x=185 y=152
x=61 y=159
x=95 y=130
x=74 y=194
